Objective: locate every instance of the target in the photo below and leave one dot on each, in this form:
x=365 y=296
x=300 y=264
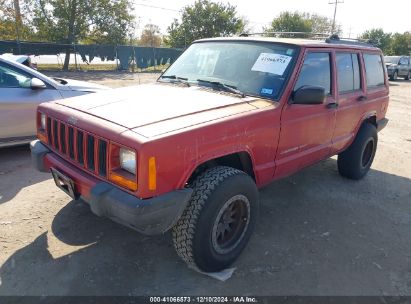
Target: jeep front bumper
x=148 y=216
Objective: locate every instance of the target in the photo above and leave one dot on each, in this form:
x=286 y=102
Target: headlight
x=43 y=121
x=128 y=160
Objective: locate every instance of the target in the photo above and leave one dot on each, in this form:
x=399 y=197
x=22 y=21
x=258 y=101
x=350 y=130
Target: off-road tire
x=192 y=234
x=408 y=76
x=355 y=162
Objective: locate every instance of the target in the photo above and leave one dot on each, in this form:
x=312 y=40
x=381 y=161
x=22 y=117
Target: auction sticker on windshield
x=271 y=63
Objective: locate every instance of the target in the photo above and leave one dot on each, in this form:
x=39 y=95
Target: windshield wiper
x=224 y=86
x=176 y=79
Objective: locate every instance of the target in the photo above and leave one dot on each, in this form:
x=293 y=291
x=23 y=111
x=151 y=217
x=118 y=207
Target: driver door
x=18 y=103
x=306 y=130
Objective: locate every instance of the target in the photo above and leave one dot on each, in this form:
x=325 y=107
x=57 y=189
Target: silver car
x=21 y=90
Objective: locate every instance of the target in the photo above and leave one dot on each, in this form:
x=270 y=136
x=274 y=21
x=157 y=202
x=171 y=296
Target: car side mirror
x=308 y=95
x=37 y=84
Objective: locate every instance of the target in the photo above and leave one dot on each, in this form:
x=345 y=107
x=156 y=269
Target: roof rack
x=335 y=39
x=310 y=35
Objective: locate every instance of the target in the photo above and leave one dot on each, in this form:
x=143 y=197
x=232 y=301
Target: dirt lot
x=318 y=234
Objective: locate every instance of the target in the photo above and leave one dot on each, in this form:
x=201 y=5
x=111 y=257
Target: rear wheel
x=408 y=76
x=218 y=222
x=356 y=161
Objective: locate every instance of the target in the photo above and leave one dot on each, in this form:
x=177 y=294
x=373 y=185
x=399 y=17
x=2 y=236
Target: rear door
x=351 y=96
x=403 y=67
x=306 y=130
x=18 y=103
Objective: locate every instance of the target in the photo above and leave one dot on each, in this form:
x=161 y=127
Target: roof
x=297 y=41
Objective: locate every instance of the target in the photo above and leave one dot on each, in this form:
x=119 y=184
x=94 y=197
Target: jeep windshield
x=244 y=67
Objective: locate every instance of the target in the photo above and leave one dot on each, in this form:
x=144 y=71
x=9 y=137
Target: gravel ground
x=318 y=234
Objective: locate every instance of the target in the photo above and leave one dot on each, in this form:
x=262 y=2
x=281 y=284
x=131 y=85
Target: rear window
x=374 y=70
x=348 y=72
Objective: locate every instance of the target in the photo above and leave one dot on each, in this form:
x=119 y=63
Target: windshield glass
x=391 y=59
x=253 y=68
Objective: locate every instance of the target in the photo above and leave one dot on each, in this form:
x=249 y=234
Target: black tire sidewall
x=350 y=163
x=364 y=169
x=206 y=258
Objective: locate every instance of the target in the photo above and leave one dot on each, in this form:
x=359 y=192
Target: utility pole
x=17 y=12
x=335 y=2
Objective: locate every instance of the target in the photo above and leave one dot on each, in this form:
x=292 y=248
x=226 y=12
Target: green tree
x=204 y=19
x=72 y=21
x=401 y=44
x=301 y=22
x=290 y=22
x=13 y=25
x=323 y=24
x=150 y=36
x=379 y=38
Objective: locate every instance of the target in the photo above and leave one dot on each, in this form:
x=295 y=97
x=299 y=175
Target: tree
x=322 y=24
x=151 y=36
x=379 y=38
x=301 y=22
x=12 y=23
x=401 y=44
x=71 y=21
x=290 y=22
x=204 y=19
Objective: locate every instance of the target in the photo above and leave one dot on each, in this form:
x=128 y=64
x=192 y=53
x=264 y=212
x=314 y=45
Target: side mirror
x=37 y=84
x=308 y=95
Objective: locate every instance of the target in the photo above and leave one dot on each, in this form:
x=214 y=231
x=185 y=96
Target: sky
x=355 y=16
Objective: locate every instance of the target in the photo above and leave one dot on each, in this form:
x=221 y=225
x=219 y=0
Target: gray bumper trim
x=38 y=151
x=148 y=216
x=381 y=124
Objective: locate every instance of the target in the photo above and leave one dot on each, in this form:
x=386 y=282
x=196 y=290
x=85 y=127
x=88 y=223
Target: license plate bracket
x=64 y=183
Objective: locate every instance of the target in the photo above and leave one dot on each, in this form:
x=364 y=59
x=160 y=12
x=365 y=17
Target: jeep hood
x=155 y=109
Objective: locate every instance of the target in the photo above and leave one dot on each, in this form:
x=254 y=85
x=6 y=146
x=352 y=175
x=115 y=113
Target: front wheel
x=394 y=76
x=356 y=161
x=219 y=220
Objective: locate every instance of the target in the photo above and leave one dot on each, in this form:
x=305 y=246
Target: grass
x=96 y=67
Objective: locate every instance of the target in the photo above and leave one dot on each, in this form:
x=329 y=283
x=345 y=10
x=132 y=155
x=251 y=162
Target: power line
x=158 y=7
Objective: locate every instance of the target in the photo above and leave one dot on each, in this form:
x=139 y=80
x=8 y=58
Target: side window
x=348 y=72
x=404 y=61
x=316 y=71
x=374 y=70
x=12 y=78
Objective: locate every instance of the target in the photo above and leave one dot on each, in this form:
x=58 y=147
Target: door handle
x=362 y=98
x=332 y=105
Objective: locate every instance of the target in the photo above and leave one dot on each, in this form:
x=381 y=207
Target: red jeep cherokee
x=189 y=152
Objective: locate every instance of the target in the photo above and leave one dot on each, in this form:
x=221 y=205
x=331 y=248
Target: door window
x=12 y=78
x=348 y=71
x=374 y=69
x=404 y=61
x=316 y=71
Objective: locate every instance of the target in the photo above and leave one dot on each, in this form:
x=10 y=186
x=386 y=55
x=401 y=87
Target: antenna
x=335 y=2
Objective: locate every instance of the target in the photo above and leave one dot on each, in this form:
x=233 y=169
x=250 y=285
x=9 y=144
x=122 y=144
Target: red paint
x=185 y=127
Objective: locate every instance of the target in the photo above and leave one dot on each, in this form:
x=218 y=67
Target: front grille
x=81 y=147
x=90 y=152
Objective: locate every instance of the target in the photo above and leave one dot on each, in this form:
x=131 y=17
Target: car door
x=306 y=130
x=351 y=97
x=18 y=103
x=403 y=67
